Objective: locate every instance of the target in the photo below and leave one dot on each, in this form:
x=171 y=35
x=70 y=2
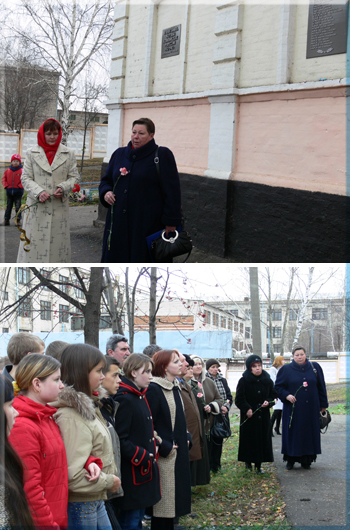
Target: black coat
x=173 y=475
x=303 y=436
x=143 y=205
x=140 y=472
x=255 y=443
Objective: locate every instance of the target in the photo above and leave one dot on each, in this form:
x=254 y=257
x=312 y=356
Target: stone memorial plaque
x=327 y=28
x=171 y=41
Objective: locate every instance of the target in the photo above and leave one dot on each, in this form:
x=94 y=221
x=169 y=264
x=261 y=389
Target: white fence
x=95 y=142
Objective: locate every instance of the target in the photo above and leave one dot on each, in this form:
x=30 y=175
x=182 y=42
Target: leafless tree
x=92 y=103
x=68 y=35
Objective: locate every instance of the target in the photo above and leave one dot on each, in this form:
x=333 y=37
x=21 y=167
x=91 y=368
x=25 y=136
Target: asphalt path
x=317 y=497
x=86 y=239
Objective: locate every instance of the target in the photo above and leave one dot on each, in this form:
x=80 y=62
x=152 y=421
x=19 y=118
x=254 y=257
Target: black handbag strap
x=156 y=161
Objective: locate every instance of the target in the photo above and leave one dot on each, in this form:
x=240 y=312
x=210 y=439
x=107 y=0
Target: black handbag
x=325 y=419
x=165 y=249
x=221 y=426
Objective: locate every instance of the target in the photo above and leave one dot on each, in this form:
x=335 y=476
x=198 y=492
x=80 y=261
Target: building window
x=248 y=314
x=215 y=319
x=23 y=275
x=293 y=314
x=63 y=280
x=276 y=332
x=223 y=322
x=277 y=348
x=241 y=346
x=78 y=292
x=236 y=325
x=276 y=314
x=96 y=119
x=247 y=333
x=72 y=117
x=105 y=322
x=25 y=308
x=241 y=327
x=234 y=312
x=229 y=323
x=5 y=330
x=207 y=317
x=4 y=295
x=235 y=344
x=46 y=275
x=63 y=313
x=45 y=310
x=77 y=323
x=319 y=313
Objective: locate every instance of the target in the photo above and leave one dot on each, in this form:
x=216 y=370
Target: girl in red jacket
x=11 y=181
x=37 y=439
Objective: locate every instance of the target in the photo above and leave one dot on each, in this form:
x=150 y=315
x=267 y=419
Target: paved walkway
x=86 y=239
x=317 y=497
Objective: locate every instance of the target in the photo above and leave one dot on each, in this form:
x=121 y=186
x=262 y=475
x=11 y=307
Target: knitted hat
x=16 y=157
x=251 y=360
x=211 y=362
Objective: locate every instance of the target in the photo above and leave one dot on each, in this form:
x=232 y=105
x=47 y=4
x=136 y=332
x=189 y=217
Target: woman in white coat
x=277 y=409
x=50 y=173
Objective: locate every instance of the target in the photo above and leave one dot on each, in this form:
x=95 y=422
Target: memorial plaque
x=171 y=41
x=327 y=28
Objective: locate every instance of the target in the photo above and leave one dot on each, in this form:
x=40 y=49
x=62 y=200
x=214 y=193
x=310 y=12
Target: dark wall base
x=253 y=223
x=272 y=224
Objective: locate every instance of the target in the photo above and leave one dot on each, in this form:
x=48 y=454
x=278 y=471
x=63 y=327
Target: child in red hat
x=11 y=181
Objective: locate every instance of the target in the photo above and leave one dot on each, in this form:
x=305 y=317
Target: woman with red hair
x=49 y=174
x=164 y=398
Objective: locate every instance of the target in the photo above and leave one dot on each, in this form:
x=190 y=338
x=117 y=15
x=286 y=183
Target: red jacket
x=38 y=441
x=12 y=179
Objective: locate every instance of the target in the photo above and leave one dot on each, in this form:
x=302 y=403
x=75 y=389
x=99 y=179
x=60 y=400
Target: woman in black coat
x=164 y=397
x=140 y=198
x=138 y=444
x=254 y=390
x=301 y=387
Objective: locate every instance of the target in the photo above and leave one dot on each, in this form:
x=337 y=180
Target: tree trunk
x=271 y=348
x=304 y=305
x=129 y=311
x=92 y=310
x=284 y=329
x=255 y=309
x=111 y=302
x=152 y=307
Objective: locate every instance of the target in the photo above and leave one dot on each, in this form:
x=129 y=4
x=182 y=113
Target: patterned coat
x=169 y=421
x=47 y=224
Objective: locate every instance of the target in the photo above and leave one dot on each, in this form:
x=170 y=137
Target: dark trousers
x=215 y=450
x=276 y=417
x=162 y=523
x=13 y=198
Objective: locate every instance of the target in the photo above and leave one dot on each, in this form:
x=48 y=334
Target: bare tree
x=255 y=307
x=91 y=99
x=130 y=303
x=68 y=35
x=153 y=306
x=90 y=286
x=286 y=314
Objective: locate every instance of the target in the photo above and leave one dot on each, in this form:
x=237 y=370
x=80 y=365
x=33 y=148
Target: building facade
x=258 y=129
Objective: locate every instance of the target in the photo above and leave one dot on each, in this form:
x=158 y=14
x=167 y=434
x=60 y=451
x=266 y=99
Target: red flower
x=76 y=188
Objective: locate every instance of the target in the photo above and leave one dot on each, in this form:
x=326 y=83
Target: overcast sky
x=231 y=282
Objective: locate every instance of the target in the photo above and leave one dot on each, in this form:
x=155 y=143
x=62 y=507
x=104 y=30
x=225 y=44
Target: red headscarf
x=50 y=150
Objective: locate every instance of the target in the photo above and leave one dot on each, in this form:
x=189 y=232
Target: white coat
x=47 y=224
x=273 y=374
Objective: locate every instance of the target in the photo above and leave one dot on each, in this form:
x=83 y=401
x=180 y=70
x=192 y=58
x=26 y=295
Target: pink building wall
x=181 y=125
x=295 y=140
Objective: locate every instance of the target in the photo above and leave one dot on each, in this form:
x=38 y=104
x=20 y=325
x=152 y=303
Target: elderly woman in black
x=141 y=190
x=301 y=387
x=255 y=394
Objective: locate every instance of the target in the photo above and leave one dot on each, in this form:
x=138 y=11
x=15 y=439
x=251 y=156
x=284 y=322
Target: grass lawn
x=237 y=498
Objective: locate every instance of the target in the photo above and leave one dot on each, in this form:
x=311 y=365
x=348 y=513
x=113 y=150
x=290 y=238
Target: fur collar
x=80 y=401
x=164 y=383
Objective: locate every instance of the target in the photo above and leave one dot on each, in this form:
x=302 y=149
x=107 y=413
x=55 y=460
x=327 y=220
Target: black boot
x=258 y=469
x=248 y=465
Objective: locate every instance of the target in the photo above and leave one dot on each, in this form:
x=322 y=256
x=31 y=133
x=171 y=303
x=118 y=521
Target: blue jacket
x=143 y=205
x=303 y=435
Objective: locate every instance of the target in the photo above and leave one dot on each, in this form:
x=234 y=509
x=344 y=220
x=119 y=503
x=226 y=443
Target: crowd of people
x=101 y=441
